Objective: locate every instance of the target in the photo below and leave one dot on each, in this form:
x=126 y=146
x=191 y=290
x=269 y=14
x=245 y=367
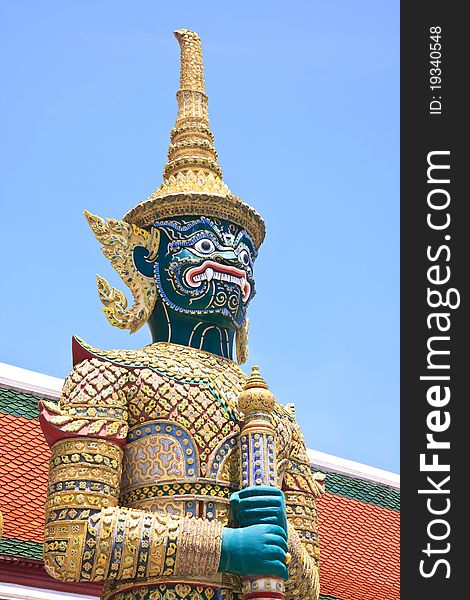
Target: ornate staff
x=258 y=465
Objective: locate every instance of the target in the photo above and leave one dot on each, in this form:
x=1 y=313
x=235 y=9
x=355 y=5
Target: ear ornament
x=119 y=239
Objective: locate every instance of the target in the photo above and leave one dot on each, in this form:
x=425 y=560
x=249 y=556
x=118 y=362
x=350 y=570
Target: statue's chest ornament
x=163 y=451
x=159 y=451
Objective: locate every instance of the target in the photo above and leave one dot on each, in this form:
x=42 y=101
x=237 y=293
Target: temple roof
x=358 y=515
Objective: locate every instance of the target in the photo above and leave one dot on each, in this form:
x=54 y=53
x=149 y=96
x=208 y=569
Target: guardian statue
x=173 y=475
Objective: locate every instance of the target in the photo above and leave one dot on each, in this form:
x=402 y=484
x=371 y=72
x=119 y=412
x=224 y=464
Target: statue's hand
x=259 y=505
x=254 y=550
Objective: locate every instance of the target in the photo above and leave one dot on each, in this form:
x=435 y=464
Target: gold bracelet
x=199 y=547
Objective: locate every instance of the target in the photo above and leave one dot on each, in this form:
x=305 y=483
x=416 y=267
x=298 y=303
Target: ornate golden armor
x=150 y=512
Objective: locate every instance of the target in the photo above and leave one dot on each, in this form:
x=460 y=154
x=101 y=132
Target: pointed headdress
x=192 y=178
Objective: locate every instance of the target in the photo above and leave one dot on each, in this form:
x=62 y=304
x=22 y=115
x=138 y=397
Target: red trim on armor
x=53 y=433
x=79 y=353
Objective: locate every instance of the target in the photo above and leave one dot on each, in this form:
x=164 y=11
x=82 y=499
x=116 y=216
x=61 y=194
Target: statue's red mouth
x=210 y=270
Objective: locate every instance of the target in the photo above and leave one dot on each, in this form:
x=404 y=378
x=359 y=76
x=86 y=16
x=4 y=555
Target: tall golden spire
x=192 y=178
x=192 y=142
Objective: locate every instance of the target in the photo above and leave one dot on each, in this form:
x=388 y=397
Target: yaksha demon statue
x=168 y=462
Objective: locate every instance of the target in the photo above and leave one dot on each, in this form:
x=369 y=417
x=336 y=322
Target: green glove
x=259 y=504
x=254 y=550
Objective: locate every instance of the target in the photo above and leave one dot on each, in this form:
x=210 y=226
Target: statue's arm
x=88 y=536
x=300 y=490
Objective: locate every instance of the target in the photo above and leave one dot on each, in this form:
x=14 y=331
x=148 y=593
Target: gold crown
x=192 y=178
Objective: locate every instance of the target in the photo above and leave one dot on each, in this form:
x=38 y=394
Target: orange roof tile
x=24 y=461
x=360 y=549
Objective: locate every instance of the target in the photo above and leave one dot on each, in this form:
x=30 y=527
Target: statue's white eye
x=204 y=246
x=244 y=258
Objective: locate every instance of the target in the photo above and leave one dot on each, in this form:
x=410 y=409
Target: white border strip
x=343 y=466
x=46 y=386
x=12 y=591
x=30 y=382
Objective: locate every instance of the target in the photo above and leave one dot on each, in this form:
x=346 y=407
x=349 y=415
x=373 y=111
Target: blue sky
x=304 y=106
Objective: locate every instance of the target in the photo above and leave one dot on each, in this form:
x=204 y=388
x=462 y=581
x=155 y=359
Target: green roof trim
x=20 y=548
x=364 y=491
x=322 y=597
x=19 y=404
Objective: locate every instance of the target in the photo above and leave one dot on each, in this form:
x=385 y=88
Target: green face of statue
x=205 y=268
